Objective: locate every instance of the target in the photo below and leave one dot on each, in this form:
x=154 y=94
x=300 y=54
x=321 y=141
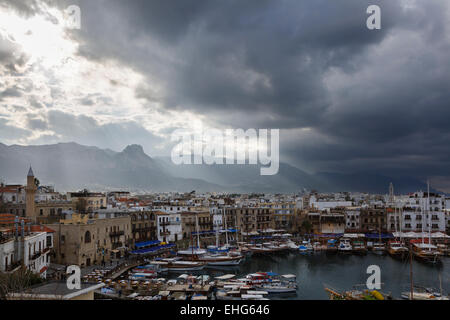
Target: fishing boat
x=397 y=250
x=426 y=252
x=221 y=260
x=331 y=246
x=305 y=247
x=317 y=246
x=345 y=246
x=379 y=248
x=240 y=292
x=159 y=265
x=291 y=245
x=422 y=293
x=276 y=247
x=274 y=288
x=175 y=265
x=142 y=276
x=260 y=249
x=359 y=247
x=443 y=249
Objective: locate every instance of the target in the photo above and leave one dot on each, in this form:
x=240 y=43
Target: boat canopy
x=253 y=233
x=354 y=235
x=226 y=277
x=289 y=276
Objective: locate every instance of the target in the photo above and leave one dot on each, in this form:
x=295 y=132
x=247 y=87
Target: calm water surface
x=342 y=272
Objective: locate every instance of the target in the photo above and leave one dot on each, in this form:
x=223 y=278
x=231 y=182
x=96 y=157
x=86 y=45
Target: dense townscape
x=124 y=241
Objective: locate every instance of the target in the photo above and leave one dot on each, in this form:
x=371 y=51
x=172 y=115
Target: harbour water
x=342 y=272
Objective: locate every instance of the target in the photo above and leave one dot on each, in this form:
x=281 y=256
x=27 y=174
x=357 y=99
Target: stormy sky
x=346 y=99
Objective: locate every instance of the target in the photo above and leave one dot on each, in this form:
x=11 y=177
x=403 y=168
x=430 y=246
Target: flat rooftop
x=57 y=290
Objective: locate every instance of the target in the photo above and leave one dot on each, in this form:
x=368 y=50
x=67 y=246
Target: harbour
x=312 y=273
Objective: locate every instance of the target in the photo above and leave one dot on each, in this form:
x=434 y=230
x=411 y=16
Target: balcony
x=13 y=266
x=164 y=233
x=113 y=234
x=36 y=255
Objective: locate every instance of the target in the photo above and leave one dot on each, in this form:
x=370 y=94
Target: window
x=87 y=237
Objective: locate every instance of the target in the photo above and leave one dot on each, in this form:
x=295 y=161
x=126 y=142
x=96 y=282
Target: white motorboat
x=345 y=246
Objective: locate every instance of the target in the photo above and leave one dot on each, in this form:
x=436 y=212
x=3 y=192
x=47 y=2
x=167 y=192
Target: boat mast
x=196 y=229
x=217 y=236
x=429 y=215
x=226 y=230
x=400 y=223
x=411 y=272
x=235 y=223
x=423 y=220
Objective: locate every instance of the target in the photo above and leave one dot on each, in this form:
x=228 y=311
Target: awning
x=147 y=243
x=435 y=235
x=379 y=235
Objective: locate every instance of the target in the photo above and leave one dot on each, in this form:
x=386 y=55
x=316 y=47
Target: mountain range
x=71 y=166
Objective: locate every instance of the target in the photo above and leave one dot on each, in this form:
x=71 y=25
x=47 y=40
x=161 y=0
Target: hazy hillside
x=70 y=166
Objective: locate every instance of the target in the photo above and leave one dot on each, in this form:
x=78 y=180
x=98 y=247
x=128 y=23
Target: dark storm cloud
x=88 y=131
x=373 y=100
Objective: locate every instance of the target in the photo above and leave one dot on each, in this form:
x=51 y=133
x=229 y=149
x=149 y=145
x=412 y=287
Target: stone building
x=83 y=241
x=143 y=226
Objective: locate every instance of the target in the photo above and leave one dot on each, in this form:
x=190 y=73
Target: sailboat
x=420 y=293
x=425 y=251
x=213 y=259
x=396 y=249
x=379 y=247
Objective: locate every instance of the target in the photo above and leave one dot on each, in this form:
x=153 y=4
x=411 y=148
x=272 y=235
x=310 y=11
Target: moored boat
x=397 y=250
x=379 y=248
x=359 y=247
x=345 y=246
x=426 y=252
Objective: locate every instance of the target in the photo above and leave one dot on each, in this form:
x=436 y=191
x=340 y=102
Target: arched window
x=87 y=237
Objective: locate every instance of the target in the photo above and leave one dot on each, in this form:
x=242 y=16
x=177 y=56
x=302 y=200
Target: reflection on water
x=342 y=272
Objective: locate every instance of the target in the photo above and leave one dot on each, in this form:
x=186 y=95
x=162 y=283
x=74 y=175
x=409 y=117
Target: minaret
x=30 y=194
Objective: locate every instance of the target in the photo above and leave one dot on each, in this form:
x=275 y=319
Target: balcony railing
x=116 y=233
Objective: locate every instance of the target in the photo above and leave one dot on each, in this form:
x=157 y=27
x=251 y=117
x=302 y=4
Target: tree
x=2 y=201
x=81 y=205
x=17 y=282
x=306 y=226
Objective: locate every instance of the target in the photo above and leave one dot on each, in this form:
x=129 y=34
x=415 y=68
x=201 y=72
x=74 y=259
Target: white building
x=169 y=226
x=420 y=213
x=36 y=251
x=7 y=257
x=352 y=218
